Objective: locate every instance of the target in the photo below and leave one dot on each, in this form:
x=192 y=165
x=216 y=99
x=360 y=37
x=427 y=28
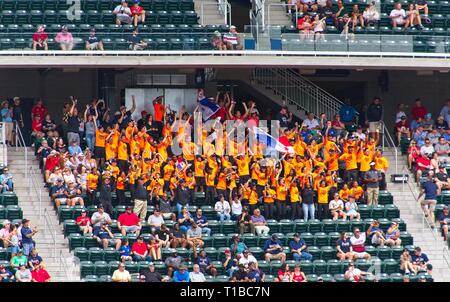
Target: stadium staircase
x=211 y=12
x=37 y=207
x=275 y=13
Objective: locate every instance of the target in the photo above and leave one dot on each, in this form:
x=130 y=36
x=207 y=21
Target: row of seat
x=8 y=199
x=395 y=277
x=36 y=17
x=11 y=212
x=93 y=4
x=441 y=30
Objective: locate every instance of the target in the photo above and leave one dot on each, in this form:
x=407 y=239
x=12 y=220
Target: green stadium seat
x=396 y=277
x=9 y=199
x=13 y=212
x=91 y=278
x=328 y=252
x=362 y=264
x=308 y=237
x=160 y=267
x=314 y=226
x=2 y=212
x=82 y=253
x=300 y=226
x=384 y=223
x=249 y=239
x=229 y=227
x=212 y=253
x=321 y=239
x=334 y=266
x=13 y=29
x=120 y=44
x=385 y=197
x=315 y=251
x=7 y=17
x=286 y=226
x=328 y=226
x=71 y=227
x=190 y=17
x=307 y=267
x=143 y=266
x=208 y=240
x=65 y=213
x=391 y=211
x=89 y=241
x=343 y=226
x=176 y=17
x=3 y=254
x=86 y=268
x=113 y=265
x=186 y=5
x=132 y=267
x=105 y=278
x=384 y=252
x=214 y=225
x=101 y=268
x=105 y=5
x=264 y=266
x=275 y=266
x=95 y=254
x=320 y=267
x=339 y=278
x=107 y=17
x=110 y=254
x=390 y=266
x=257 y=252
x=371 y=250
x=90 y=5
x=75 y=240
x=221 y=278
x=406 y=238
x=365 y=211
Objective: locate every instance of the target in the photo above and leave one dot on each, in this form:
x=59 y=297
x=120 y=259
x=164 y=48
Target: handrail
x=33 y=184
x=48 y=229
x=425 y=221
x=278 y=4
x=20 y=143
x=224 y=9
x=390 y=143
x=3 y=144
x=63 y=266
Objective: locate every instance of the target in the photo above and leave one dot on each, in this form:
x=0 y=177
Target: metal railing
x=66 y=268
x=297 y=90
x=223 y=7
x=3 y=145
x=20 y=145
x=390 y=143
x=269 y=14
x=33 y=185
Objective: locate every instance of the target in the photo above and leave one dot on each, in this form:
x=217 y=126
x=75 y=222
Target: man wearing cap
x=84 y=222
x=128 y=222
x=123 y=13
x=136 y=42
x=27 y=236
x=19 y=260
x=181 y=275
x=442 y=181
x=444 y=220
x=273 y=249
x=246 y=257
x=216 y=41
x=65 y=39
x=23 y=274
x=372 y=179
x=403 y=129
x=202 y=221
x=427 y=148
x=232 y=40
x=58 y=192
x=299 y=249
x=137 y=13
x=240 y=275
x=40 y=274
x=93 y=42
x=430 y=190
x=5 y=275
x=151 y=275
x=100 y=217
x=354 y=274
x=140 y=250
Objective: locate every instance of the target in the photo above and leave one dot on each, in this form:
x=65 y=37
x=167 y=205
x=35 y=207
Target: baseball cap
x=274 y=237
x=372 y=163
x=5 y=222
x=297 y=235
x=422 y=277
x=83 y=211
x=428 y=115
x=151 y=264
x=143 y=112
x=128 y=208
x=403 y=117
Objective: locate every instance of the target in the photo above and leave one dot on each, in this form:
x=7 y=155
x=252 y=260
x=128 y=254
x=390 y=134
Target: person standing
x=375 y=114
x=105 y=194
x=27 y=237
x=372 y=179
x=140 y=199
x=430 y=191
x=73 y=124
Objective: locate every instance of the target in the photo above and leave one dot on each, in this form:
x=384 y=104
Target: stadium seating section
x=170 y=24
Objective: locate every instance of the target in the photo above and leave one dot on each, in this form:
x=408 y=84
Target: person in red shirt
x=402 y=128
x=129 y=222
x=40 y=110
x=39 y=274
x=418 y=110
x=137 y=13
x=40 y=38
x=139 y=250
x=84 y=222
x=36 y=126
x=423 y=163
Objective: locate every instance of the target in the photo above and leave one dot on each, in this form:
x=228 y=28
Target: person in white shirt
x=336 y=207
x=156 y=219
x=427 y=148
x=310 y=122
x=196 y=275
x=236 y=207
x=123 y=13
x=398 y=15
x=358 y=241
x=371 y=15
x=400 y=112
x=223 y=209
x=360 y=134
x=246 y=258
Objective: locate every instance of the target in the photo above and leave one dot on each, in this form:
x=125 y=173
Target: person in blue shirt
x=347 y=113
x=6 y=181
x=74 y=148
x=125 y=251
x=181 y=275
x=205 y=264
x=299 y=248
x=230 y=264
x=202 y=221
x=185 y=220
x=431 y=191
x=237 y=247
x=254 y=273
x=5 y=275
x=27 y=237
x=274 y=249
x=377 y=234
x=420 y=260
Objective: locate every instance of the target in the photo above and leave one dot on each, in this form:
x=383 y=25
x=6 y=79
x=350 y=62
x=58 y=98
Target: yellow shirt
x=253 y=197
x=322 y=194
x=270 y=194
x=294 y=193
x=281 y=192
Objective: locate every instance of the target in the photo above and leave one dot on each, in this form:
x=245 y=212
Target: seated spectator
x=441 y=123
x=5 y=234
x=181 y=275
x=237 y=246
x=299 y=249
x=423 y=5
x=336 y=207
x=258 y=224
x=284 y=274
x=40 y=274
x=65 y=39
x=34 y=258
x=18 y=260
x=123 y=13
x=194 y=236
x=202 y=221
x=304 y=25
x=136 y=42
x=306 y=6
x=152 y=275
x=240 y=275
x=104 y=236
x=23 y=274
x=357 y=17
x=137 y=13
x=125 y=251
x=217 y=42
x=352 y=208
x=420 y=261
x=223 y=209
x=442 y=180
x=154 y=247
x=393 y=235
x=93 y=42
x=358 y=241
x=236 y=208
x=344 y=247
x=196 y=275
x=100 y=217
x=254 y=273
x=177 y=237
x=298 y=275
x=205 y=264
x=139 y=250
x=371 y=15
x=273 y=249
x=423 y=164
x=244 y=222
x=84 y=222
x=246 y=257
x=310 y=122
x=129 y=222
x=398 y=16
x=232 y=40
x=413 y=17
x=442 y=148
x=58 y=193
x=185 y=220
x=6 y=275
x=230 y=263
x=173 y=262
x=354 y=274
x=444 y=220
x=376 y=233
x=403 y=129
x=164 y=203
x=155 y=220
x=428 y=122
x=121 y=274
x=40 y=38
x=73 y=194
x=406 y=264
